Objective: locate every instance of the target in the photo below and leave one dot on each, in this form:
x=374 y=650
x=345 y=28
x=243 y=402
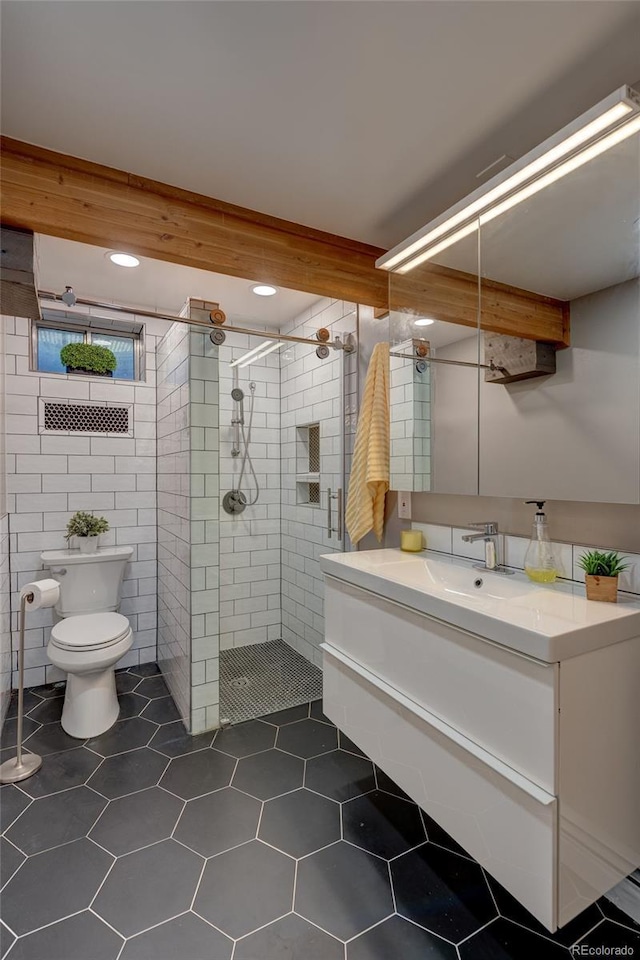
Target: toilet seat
x=92 y=631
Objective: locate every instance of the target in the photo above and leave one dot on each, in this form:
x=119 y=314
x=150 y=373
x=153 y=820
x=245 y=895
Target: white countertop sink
x=550 y=622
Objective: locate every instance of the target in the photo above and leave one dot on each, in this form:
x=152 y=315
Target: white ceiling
x=157 y=285
x=366 y=119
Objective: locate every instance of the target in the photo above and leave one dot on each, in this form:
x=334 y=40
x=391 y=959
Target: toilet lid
x=90 y=631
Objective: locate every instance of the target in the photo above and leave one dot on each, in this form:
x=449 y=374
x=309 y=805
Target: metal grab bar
x=330 y=527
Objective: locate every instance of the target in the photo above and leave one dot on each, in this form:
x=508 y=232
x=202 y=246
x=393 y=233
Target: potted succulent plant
x=601 y=574
x=88 y=358
x=87 y=529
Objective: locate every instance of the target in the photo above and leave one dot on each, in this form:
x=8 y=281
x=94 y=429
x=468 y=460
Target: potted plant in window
x=601 y=574
x=87 y=529
x=88 y=359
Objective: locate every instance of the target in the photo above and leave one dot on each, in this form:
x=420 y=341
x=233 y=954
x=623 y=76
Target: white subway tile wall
x=410 y=422
x=174 y=538
x=204 y=531
x=312 y=391
x=50 y=476
x=250 y=542
x=446 y=539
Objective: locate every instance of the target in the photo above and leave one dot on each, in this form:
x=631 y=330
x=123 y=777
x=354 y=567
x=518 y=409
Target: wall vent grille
x=63 y=417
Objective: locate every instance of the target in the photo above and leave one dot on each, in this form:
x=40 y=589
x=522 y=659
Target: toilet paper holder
x=22 y=765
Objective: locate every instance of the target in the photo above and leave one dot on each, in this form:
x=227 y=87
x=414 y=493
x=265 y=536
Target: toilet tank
x=89 y=583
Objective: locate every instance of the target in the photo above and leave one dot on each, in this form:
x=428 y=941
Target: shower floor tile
x=271 y=840
x=265 y=678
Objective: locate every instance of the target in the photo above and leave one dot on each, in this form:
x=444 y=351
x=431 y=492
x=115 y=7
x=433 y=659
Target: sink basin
x=550 y=622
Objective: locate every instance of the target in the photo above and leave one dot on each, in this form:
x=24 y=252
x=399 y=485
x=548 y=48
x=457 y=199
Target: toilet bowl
x=87 y=648
x=91 y=637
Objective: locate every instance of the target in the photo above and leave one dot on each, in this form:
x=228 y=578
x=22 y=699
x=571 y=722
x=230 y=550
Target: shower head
x=237 y=394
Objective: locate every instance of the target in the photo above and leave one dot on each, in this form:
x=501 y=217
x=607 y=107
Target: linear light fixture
x=609 y=122
x=250 y=353
x=259 y=356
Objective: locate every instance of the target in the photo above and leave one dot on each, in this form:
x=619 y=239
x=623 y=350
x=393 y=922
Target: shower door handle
x=330 y=527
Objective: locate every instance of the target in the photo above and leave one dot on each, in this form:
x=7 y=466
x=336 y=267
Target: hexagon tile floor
x=272 y=840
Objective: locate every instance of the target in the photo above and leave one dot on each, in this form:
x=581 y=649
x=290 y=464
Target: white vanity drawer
x=506 y=702
x=507 y=823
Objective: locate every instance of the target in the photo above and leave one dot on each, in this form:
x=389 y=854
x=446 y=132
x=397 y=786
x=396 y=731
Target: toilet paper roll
x=45 y=593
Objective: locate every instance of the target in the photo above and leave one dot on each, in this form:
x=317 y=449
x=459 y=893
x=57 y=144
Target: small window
x=51 y=338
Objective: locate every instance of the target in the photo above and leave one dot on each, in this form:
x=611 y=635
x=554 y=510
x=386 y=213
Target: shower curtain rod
x=347 y=345
x=455 y=363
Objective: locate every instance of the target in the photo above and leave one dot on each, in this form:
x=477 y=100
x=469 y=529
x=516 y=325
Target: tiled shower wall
x=174 y=538
x=51 y=476
x=312 y=392
x=5 y=589
x=188 y=568
x=250 y=542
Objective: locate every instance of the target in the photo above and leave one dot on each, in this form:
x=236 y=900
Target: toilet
x=91 y=636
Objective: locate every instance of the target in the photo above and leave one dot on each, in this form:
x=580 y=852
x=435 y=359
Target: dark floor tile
x=382 y=824
x=152 y=687
x=145 y=670
x=610 y=910
x=132 y=705
x=435 y=834
x=340 y=775
x=317 y=714
x=443 y=892
x=269 y=774
x=186 y=937
x=12 y=802
x=343 y=890
x=509 y=907
x=137 y=820
x=148 y=887
x=290 y=715
x=198 y=773
x=128 y=772
x=300 y=822
x=76 y=938
x=245 y=739
x=503 y=940
x=291 y=938
x=173 y=740
x=51 y=738
x=123 y=735
x=388 y=785
x=54 y=884
x=7 y=940
x=56 y=819
x=161 y=710
x=60 y=771
x=30 y=701
x=615 y=938
x=48 y=711
x=10 y=860
x=9 y=731
x=307 y=738
x=397 y=938
x=346 y=744
x=219 y=821
x=126 y=682
x=48 y=690
x=245 y=888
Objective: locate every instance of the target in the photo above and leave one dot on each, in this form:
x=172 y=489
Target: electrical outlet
x=404 y=505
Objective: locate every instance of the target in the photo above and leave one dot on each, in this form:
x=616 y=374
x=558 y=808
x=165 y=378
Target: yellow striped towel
x=370 y=467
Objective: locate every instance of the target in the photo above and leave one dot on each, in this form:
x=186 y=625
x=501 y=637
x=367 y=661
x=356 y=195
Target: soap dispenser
x=539 y=562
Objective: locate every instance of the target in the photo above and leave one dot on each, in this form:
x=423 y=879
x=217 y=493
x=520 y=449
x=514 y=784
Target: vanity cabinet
x=531 y=766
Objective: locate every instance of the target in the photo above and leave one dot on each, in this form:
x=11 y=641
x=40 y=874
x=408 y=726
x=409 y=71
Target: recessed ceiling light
x=264 y=290
x=423 y=322
x=124 y=260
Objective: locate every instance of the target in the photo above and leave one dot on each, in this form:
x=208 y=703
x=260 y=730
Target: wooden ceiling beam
x=63 y=196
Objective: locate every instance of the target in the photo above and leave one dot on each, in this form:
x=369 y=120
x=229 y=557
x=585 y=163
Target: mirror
x=573 y=435
x=434 y=437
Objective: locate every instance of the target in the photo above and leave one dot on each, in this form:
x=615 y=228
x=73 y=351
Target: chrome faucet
x=489 y=533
